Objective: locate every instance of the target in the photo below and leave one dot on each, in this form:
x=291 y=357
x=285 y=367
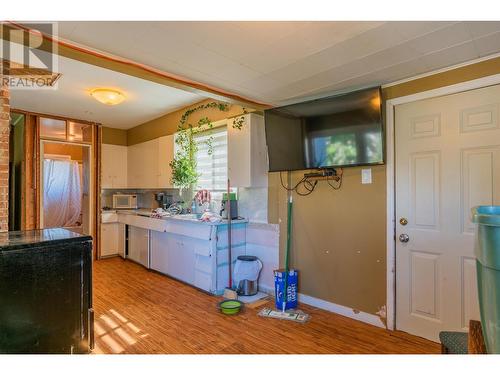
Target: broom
x=229 y=292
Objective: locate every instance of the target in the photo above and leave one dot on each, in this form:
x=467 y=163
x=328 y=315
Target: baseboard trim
x=342 y=310
x=266 y=289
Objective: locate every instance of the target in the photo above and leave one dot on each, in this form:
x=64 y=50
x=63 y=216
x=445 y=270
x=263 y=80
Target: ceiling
x=280 y=62
x=145 y=100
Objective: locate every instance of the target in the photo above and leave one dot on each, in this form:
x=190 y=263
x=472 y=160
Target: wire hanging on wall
x=308 y=183
x=337 y=178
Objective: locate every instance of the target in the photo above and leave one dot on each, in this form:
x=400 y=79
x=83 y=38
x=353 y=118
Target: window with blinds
x=212 y=168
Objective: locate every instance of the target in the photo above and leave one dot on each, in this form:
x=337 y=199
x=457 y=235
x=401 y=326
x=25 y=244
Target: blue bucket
x=487 y=250
x=279 y=287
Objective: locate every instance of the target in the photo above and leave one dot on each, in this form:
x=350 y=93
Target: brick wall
x=4 y=157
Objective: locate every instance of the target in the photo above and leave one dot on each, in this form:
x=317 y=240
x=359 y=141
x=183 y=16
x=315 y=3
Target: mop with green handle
x=287 y=252
x=296 y=316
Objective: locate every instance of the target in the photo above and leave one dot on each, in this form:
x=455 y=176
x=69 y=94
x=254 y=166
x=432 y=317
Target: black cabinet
x=45 y=292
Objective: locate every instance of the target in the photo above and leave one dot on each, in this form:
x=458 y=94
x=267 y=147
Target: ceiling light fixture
x=375 y=102
x=107 y=96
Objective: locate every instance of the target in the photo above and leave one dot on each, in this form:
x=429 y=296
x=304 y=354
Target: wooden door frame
x=391 y=181
x=96 y=160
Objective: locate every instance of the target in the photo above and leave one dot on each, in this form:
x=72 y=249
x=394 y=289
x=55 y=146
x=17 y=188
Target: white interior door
x=447 y=161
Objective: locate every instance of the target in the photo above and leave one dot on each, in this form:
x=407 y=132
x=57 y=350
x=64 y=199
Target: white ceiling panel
x=411 y=30
x=487 y=45
x=449 y=56
x=395 y=55
x=441 y=39
x=478 y=29
x=144 y=101
x=276 y=61
x=308 y=41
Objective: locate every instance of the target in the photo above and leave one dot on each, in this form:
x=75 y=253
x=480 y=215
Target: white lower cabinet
x=159 y=253
x=204 y=281
x=112 y=235
x=110 y=239
x=138 y=245
x=121 y=239
x=192 y=252
x=204 y=275
x=184 y=258
x=180 y=258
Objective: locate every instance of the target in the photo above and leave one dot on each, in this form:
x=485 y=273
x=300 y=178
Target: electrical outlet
x=366 y=176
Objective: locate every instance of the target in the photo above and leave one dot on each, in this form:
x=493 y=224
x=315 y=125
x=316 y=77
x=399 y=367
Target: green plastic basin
x=230 y=306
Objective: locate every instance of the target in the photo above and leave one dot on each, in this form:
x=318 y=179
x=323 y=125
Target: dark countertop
x=33 y=238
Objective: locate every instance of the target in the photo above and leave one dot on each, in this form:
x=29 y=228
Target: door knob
x=403 y=221
x=404 y=237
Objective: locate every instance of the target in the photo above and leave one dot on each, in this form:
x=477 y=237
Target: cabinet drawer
x=199 y=247
x=203 y=281
x=203 y=263
x=109 y=217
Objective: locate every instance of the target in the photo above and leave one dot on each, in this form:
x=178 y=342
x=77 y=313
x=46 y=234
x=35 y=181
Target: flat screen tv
x=338 y=131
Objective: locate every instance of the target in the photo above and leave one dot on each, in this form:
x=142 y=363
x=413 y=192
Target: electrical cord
x=286 y=187
x=337 y=178
x=309 y=186
x=306 y=184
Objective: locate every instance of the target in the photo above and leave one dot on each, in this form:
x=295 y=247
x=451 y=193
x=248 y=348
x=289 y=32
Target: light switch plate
x=366 y=176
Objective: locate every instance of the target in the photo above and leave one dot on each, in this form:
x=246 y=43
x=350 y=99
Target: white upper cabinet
x=143 y=165
x=165 y=156
x=148 y=163
x=247 y=153
x=113 y=166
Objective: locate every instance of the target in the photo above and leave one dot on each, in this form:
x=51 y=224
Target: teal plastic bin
x=487 y=249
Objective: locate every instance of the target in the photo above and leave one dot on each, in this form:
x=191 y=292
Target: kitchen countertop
x=31 y=238
x=191 y=218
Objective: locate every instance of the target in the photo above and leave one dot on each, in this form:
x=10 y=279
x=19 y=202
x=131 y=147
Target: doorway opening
x=65 y=185
x=453 y=170
x=66 y=174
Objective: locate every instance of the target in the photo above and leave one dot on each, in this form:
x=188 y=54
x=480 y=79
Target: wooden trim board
x=342 y=310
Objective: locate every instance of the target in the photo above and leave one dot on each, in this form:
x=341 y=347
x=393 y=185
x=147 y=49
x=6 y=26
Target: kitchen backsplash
x=252 y=202
x=145 y=197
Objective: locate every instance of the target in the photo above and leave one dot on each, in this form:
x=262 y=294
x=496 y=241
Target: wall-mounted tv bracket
x=323 y=172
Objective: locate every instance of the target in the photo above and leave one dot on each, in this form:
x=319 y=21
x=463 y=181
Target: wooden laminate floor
x=139 y=311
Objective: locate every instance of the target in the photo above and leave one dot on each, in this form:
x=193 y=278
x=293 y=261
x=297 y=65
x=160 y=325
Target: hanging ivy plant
x=239 y=120
x=183 y=165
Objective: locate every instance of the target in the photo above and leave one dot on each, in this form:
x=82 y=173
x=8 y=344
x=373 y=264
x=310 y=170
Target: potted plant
x=184 y=175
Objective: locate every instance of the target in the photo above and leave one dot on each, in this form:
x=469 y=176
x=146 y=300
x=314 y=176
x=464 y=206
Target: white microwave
x=125 y=201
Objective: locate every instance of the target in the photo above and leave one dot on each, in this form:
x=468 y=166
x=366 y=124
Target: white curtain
x=62 y=193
